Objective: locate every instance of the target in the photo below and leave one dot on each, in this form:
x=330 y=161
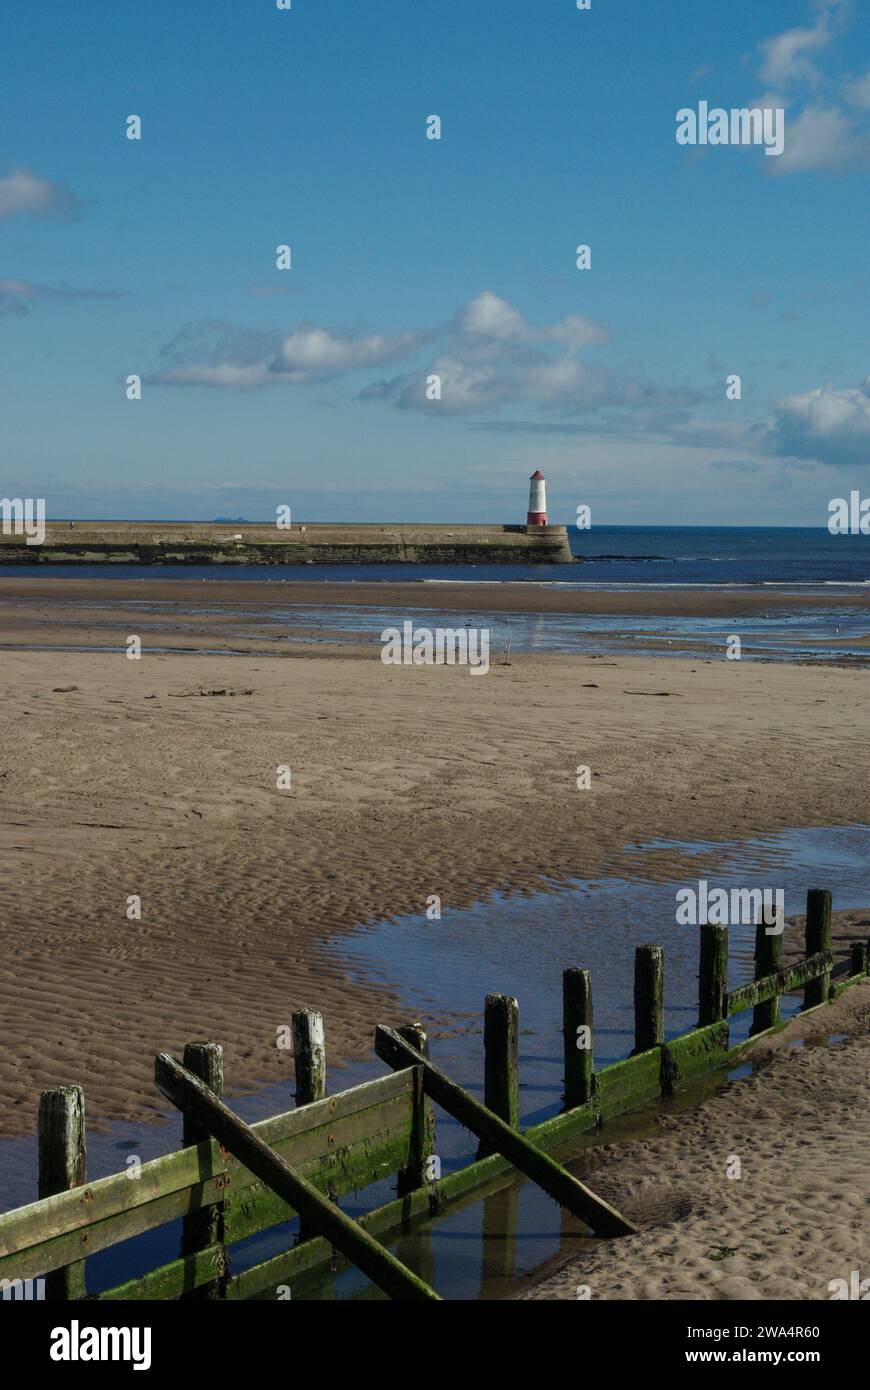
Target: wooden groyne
x=206 y=543
x=230 y=1180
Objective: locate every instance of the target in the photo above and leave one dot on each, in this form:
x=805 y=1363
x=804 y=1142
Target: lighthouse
x=537 y=515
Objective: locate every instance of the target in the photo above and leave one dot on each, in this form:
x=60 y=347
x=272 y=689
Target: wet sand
x=520 y=597
x=118 y=779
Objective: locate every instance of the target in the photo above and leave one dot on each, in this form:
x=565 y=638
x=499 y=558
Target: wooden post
x=309 y=1056
x=309 y=1064
x=62 y=1165
x=187 y=1092
x=768 y=959
x=577 y=1036
x=549 y=1175
x=859 y=958
x=649 y=978
x=713 y=975
x=423 y=1134
x=818 y=938
x=501 y=1067
x=204 y=1228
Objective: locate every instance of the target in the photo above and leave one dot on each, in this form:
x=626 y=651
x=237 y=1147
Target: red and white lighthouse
x=537 y=500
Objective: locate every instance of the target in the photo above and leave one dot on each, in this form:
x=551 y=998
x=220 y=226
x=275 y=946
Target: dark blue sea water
x=617 y=556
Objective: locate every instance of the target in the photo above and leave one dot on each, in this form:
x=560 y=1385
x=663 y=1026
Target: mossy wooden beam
x=549 y=1175
x=256 y=1207
x=192 y=1096
x=781 y=982
x=56 y=1231
x=628 y=1083
x=694 y=1054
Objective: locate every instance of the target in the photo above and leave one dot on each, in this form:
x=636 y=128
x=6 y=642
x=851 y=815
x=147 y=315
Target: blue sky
x=414 y=257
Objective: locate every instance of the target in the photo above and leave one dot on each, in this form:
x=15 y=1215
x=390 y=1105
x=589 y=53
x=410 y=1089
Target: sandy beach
x=157 y=778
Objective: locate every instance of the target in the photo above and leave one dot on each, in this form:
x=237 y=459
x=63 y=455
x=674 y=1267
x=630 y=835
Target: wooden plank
x=555 y=1180
x=577 y=1036
x=172 y=1280
x=62 y=1166
x=190 y=1094
x=630 y=1082
x=694 y=1054
x=788 y=978
x=185 y=1180
x=256 y=1207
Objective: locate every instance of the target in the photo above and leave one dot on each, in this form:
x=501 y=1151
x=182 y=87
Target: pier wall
x=202 y=543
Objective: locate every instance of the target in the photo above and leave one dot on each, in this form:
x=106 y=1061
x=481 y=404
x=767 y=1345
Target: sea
x=617 y=557
x=822 y=568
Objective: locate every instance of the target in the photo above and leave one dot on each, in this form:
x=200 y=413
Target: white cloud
x=490 y=316
x=23 y=192
x=311 y=349
x=244 y=361
x=829 y=425
x=821 y=138
x=821 y=132
x=788 y=57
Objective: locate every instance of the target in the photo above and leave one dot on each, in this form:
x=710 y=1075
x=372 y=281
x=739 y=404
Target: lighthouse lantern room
x=537 y=515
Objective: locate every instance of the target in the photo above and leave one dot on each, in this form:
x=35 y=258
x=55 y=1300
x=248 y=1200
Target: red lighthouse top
x=537 y=474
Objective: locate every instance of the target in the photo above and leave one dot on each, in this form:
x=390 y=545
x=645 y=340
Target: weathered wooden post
x=859 y=958
x=649 y=978
x=818 y=938
x=713 y=974
x=768 y=959
x=501 y=1067
x=62 y=1165
x=204 y=1228
x=417 y=1174
x=309 y=1064
x=577 y=1036
x=309 y=1056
